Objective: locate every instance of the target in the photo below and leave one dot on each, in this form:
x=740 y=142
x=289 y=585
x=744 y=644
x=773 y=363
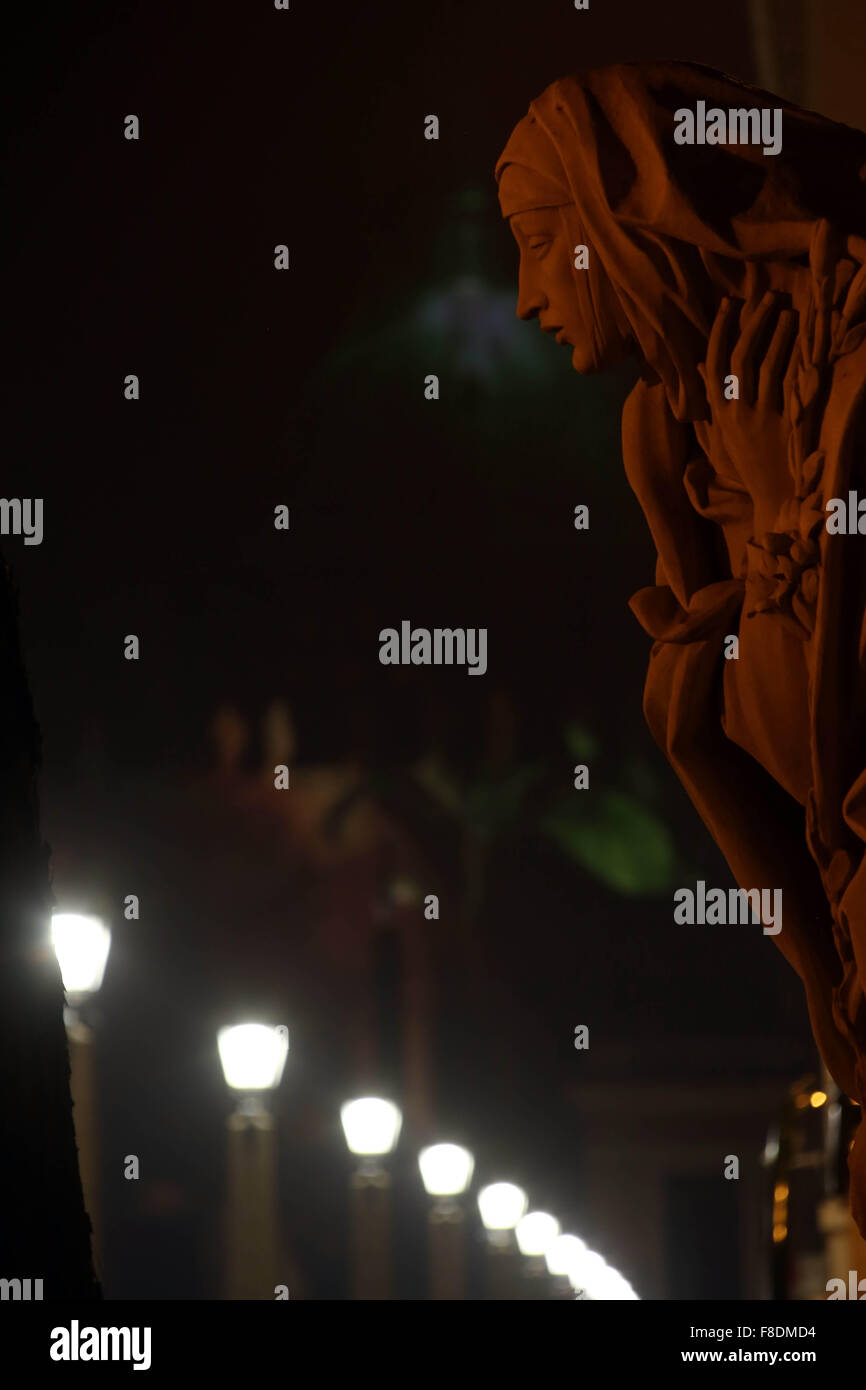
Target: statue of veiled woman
x=710 y=262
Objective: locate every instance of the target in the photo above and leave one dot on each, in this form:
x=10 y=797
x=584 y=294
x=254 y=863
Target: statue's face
x=548 y=290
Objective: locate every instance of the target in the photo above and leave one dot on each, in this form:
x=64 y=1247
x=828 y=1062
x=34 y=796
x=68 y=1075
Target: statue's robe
x=770 y=746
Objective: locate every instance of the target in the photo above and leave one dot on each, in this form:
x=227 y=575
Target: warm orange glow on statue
x=707 y=261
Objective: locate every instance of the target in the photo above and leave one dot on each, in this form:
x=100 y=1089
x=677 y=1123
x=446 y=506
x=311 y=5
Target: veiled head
x=670 y=228
x=577 y=305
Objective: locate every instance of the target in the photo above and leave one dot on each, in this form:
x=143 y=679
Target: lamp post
x=501 y=1205
x=253 y=1056
x=535 y=1233
x=446 y=1172
x=81 y=944
x=372 y=1127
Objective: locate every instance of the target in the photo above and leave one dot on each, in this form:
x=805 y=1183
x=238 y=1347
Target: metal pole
x=251 y=1219
x=502 y=1266
x=82 y=1084
x=447 y=1271
x=369 y=1196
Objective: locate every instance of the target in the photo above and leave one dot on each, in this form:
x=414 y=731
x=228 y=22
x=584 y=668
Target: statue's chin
x=583 y=361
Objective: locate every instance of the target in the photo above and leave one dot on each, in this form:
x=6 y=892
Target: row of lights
x=253 y=1057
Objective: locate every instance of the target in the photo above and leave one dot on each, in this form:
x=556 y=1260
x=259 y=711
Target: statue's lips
x=553 y=328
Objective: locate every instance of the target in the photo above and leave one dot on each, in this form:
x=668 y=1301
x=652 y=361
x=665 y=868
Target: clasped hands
x=746 y=437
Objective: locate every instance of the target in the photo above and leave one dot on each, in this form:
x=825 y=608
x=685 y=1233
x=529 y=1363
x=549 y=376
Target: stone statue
x=734 y=270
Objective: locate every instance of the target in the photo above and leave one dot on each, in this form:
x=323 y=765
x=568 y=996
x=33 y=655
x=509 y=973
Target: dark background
x=306 y=388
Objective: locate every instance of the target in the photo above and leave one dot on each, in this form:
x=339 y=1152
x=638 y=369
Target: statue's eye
x=539 y=244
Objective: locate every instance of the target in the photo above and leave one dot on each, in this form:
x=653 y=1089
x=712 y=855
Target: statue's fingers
x=702 y=373
x=718 y=349
x=777 y=361
x=793 y=364
x=753 y=327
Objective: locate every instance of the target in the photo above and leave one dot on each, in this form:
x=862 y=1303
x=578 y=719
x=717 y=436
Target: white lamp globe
x=446 y=1169
x=81 y=945
x=535 y=1232
x=371 y=1125
x=589 y=1273
x=501 y=1205
x=564 y=1254
x=610 y=1284
x=253 y=1055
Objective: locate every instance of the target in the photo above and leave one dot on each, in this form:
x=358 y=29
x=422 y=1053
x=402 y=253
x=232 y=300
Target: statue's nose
x=529 y=305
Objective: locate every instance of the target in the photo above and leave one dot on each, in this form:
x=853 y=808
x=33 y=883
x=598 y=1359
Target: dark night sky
x=156 y=258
